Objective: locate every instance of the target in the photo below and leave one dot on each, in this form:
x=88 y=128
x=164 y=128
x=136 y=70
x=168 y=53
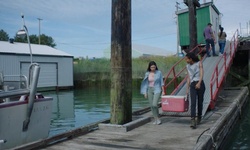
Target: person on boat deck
x=195 y=86
x=222 y=40
x=152 y=87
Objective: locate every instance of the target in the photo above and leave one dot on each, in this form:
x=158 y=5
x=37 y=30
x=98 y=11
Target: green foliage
x=21 y=40
x=3 y=35
x=34 y=39
x=91 y=65
x=164 y=64
x=47 y=40
x=92 y=70
x=99 y=69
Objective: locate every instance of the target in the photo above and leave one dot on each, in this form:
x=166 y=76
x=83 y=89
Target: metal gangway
x=215 y=72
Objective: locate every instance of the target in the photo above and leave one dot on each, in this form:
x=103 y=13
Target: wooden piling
x=121 y=65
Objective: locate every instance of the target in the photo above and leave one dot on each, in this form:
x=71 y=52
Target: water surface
x=76 y=108
x=240 y=136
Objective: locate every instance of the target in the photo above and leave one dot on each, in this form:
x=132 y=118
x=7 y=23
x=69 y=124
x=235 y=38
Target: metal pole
x=39 y=19
x=28 y=39
x=177 y=24
x=248 y=33
x=247 y=29
x=240 y=30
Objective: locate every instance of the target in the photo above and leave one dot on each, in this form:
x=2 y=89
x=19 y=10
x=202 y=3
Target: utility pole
x=39 y=40
x=240 y=30
x=121 y=63
x=248 y=27
x=192 y=24
x=192 y=4
x=177 y=24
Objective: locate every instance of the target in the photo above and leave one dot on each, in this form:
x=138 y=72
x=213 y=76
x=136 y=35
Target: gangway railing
x=178 y=74
x=221 y=69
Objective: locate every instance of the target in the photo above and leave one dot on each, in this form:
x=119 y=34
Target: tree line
x=34 y=39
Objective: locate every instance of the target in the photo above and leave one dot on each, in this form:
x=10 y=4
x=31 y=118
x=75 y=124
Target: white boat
x=24 y=114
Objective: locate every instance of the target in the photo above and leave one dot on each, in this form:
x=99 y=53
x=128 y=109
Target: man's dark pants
x=208 y=43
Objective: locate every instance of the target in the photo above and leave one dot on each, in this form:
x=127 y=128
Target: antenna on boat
x=34 y=71
x=24 y=32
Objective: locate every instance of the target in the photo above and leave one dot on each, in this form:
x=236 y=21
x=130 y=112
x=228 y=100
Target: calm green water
x=76 y=108
x=240 y=137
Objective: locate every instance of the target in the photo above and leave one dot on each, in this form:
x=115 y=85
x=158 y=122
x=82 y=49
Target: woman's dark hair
x=151 y=63
x=221 y=31
x=192 y=56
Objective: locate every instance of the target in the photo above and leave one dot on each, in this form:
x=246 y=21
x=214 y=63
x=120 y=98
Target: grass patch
x=97 y=71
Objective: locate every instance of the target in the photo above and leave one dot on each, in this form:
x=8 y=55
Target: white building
x=56 y=66
x=142 y=51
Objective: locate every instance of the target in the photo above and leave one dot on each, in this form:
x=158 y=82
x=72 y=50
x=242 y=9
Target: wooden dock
x=174 y=132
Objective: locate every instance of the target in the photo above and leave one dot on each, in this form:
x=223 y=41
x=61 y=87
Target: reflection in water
x=63 y=112
x=76 y=108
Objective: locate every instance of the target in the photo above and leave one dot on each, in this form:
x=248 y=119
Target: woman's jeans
x=222 y=46
x=197 y=94
x=153 y=99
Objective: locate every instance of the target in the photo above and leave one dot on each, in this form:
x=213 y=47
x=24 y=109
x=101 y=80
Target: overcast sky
x=83 y=27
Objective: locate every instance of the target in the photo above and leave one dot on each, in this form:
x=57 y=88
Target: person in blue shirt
x=152 y=88
x=195 y=86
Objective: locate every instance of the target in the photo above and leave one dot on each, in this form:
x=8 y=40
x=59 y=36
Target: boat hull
x=12 y=116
